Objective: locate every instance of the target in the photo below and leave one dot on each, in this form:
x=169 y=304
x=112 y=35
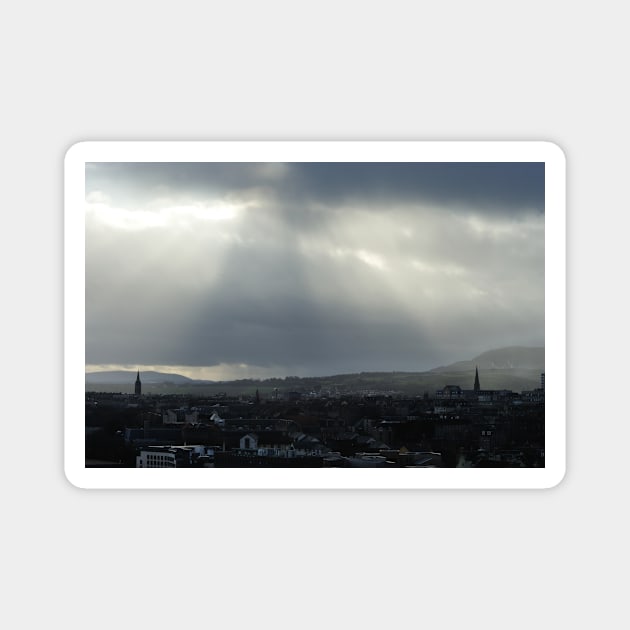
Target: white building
x=172 y=456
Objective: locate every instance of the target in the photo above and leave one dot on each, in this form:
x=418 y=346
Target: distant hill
x=123 y=377
x=511 y=358
x=514 y=368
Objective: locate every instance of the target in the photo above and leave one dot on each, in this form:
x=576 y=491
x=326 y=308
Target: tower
x=476 y=386
x=138 y=384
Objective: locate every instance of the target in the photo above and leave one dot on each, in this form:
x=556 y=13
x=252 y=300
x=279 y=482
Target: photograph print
x=314 y=314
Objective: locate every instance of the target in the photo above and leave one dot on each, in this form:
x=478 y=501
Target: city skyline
x=252 y=270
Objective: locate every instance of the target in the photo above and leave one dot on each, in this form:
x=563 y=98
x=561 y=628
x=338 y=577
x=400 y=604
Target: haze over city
x=223 y=271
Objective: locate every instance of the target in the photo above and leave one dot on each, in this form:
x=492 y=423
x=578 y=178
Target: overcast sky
x=225 y=271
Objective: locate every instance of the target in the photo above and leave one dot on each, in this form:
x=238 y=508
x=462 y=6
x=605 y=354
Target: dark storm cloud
x=312 y=268
x=508 y=186
x=491 y=186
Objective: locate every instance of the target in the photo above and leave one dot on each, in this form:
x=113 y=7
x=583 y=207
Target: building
x=450 y=392
x=180 y=416
x=175 y=456
x=138 y=390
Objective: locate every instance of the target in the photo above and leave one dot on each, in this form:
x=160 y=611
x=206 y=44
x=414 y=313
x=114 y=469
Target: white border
x=332 y=478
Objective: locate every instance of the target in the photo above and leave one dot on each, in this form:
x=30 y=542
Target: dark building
x=138 y=389
x=476 y=387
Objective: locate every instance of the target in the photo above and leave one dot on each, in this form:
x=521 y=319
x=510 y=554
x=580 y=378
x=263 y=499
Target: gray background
x=279 y=70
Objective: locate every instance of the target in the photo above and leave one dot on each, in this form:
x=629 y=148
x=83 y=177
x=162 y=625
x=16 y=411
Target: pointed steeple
x=138 y=389
x=476 y=387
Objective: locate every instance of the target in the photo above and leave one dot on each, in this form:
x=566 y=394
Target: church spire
x=476 y=387
x=138 y=384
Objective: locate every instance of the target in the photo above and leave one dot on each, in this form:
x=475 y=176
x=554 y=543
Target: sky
x=253 y=270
